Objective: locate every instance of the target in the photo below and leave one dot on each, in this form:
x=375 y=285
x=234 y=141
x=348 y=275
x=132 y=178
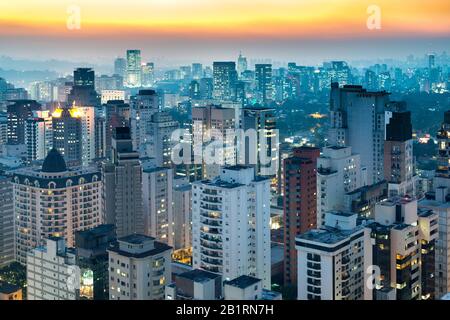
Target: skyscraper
x=157 y=184
x=83 y=90
x=230 y=225
x=300 y=209
x=18 y=112
x=133 y=75
x=241 y=64
x=263 y=77
x=122 y=186
x=398 y=154
x=357 y=119
x=143 y=106
x=54 y=201
x=120 y=67
x=148 y=74
x=224 y=78
x=197 y=71
x=117 y=114
x=211 y=127
x=162 y=125
x=38 y=135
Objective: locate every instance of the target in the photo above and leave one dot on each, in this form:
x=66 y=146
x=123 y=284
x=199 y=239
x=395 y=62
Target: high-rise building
x=74 y=134
x=160 y=143
x=54 y=201
x=197 y=71
x=51 y=272
x=438 y=200
x=338 y=173
x=143 y=106
x=443 y=156
x=83 y=90
x=18 y=112
x=133 y=76
x=263 y=152
x=182 y=214
x=120 y=67
x=148 y=74
x=398 y=155
x=230 y=225
x=333 y=260
x=122 y=186
x=241 y=64
x=300 y=208
x=357 y=119
x=117 y=114
x=92 y=260
x=67 y=135
x=403 y=243
x=38 y=135
x=157 y=183
x=264 y=86
x=211 y=128
x=139 y=268
x=224 y=77
x=6 y=222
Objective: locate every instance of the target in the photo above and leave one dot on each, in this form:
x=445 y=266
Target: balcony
x=212 y=254
x=215 y=262
x=209 y=245
x=210 y=200
x=211 y=222
x=210 y=231
x=213 y=239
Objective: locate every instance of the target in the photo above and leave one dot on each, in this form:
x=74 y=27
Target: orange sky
x=225 y=18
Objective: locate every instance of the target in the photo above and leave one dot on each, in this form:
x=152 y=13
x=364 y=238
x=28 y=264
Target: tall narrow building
x=398 y=155
x=300 y=209
x=17 y=114
x=134 y=74
x=224 y=80
x=231 y=224
x=122 y=186
x=6 y=222
x=38 y=135
x=357 y=119
x=264 y=86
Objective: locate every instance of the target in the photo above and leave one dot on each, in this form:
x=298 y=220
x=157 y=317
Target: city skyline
x=177 y=29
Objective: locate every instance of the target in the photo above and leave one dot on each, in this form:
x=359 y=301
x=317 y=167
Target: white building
x=52 y=273
x=139 y=268
x=338 y=172
x=332 y=261
x=54 y=201
x=231 y=224
x=157 y=184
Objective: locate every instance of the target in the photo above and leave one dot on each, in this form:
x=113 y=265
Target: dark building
x=300 y=209
x=67 y=136
x=83 y=91
x=196 y=284
x=117 y=114
x=18 y=113
x=92 y=259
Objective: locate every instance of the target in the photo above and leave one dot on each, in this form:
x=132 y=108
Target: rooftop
x=328 y=235
x=198 y=275
x=54 y=162
x=136 y=238
x=243 y=281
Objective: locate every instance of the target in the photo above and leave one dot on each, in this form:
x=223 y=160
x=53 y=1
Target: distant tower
x=133 y=68
x=224 y=77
